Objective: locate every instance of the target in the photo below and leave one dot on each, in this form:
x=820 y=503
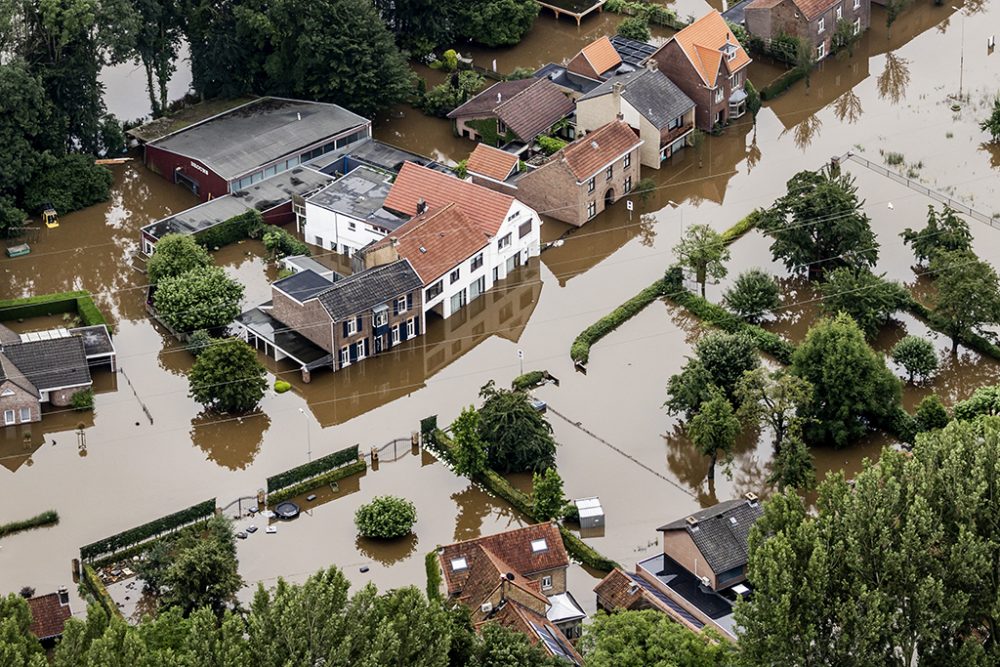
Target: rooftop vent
x=692 y=521
x=298 y=116
x=421 y=206
x=593 y=144
x=423 y=249
x=486 y=607
x=633 y=588
x=509 y=576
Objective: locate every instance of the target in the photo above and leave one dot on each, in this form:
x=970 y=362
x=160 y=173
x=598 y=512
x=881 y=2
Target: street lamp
x=309 y=449
x=961 y=65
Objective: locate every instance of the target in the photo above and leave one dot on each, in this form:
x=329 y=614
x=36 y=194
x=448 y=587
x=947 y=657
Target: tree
x=469 y=453
x=634 y=27
x=689 y=389
x=714 y=429
x=176 y=254
x=992 y=124
x=719 y=361
x=754 y=293
x=702 y=251
x=805 y=59
x=944 y=231
x=500 y=646
x=793 y=466
x=648 y=637
x=870 y=300
x=518 y=438
x=820 y=225
x=776 y=398
x=852 y=388
x=985 y=401
x=205 y=574
x=495 y=22
x=227 y=377
x=18 y=647
x=153 y=36
x=202 y=298
x=917 y=356
x=24 y=111
x=226 y=61
x=931 y=414
x=547 y=495
x=968 y=296
x=69 y=183
x=444 y=97
x=386 y=517
x=844 y=37
x=753 y=100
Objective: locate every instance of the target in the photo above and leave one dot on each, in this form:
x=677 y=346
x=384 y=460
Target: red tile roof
x=813 y=8
x=618 y=591
x=601 y=55
x=436 y=241
x=48 y=616
x=491 y=162
x=701 y=42
x=485 y=208
x=518 y=617
x=589 y=154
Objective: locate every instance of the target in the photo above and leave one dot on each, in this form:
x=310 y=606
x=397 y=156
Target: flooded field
x=891 y=95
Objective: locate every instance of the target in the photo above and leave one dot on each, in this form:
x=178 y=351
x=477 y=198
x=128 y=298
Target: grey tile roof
x=652 y=94
x=363 y=291
x=303 y=285
x=10 y=372
x=721 y=532
x=51 y=363
x=632 y=51
x=259 y=132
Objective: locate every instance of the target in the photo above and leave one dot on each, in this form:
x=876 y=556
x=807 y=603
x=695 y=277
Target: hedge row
x=580 y=350
x=433 y=568
x=143 y=547
x=528 y=380
x=358 y=467
x=128 y=538
x=971 y=340
x=51 y=304
x=44 y=519
x=584 y=553
x=236 y=228
x=782 y=83
x=312 y=469
x=95 y=587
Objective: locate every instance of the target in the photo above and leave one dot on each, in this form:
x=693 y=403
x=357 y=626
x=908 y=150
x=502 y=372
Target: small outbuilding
x=591 y=512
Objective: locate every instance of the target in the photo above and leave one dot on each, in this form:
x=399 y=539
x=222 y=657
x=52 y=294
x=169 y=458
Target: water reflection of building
x=18 y=444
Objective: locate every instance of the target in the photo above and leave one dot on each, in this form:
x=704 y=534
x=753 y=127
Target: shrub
x=246 y=225
x=550 y=145
x=462 y=169
x=449 y=60
x=917 y=356
x=280 y=243
x=433 y=568
x=176 y=254
x=520 y=73
x=311 y=469
x=528 y=380
x=312 y=483
x=198 y=341
x=441 y=99
x=83 y=400
x=894 y=159
x=754 y=293
x=580 y=350
x=635 y=27
x=782 y=83
x=386 y=517
x=931 y=414
x=281 y=386
x=48 y=518
x=127 y=538
x=203 y=298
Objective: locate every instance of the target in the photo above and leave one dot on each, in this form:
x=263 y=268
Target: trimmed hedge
x=428 y=425
x=312 y=469
x=95 y=587
x=528 y=380
x=48 y=518
x=133 y=536
x=433 y=575
x=143 y=547
x=580 y=350
x=281 y=495
x=782 y=83
x=52 y=304
x=584 y=553
x=236 y=228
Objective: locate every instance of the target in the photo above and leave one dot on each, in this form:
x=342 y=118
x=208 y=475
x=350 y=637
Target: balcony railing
x=668 y=137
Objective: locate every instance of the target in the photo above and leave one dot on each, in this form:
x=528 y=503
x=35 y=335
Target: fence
x=134 y=536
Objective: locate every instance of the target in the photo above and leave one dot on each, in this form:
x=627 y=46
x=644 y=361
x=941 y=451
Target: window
x=628 y=184
x=820 y=51
x=455 y=275
x=351 y=327
x=395 y=335
x=458 y=301
x=857 y=26
x=345 y=356
x=25 y=415
x=718 y=95
x=501 y=128
x=459 y=564
x=7 y=392
x=821 y=26
x=8 y=417
x=477 y=287
x=271 y=171
x=524 y=229
x=434 y=291
x=546 y=582
x=539 y=545
x=352 y=226
x=318 y=241
x=401 y=304
x=410 y=330
x=477 y=262
x=360 y=347
x=380 y=318
x=503 y=242
x=609 y=173
x=627 y=162
x=591 y=210
x=675 y=123
x=840 y=12
x=591 y=185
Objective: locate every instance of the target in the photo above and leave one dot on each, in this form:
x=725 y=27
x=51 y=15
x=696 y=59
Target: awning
x=738 y=96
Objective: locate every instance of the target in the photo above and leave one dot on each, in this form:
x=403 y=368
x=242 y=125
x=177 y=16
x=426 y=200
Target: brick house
x=49 y=614
x=518 y=579
x=33 y=372
x=651 y=104
x=709 y=65
x=585 y=177
x=598 y=60
x=813 y=21
x=522 y=108
x=699 y=575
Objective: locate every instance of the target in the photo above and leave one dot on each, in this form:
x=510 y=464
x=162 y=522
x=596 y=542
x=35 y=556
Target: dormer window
x=729 y=50
x=458 y=564
x=537 y=546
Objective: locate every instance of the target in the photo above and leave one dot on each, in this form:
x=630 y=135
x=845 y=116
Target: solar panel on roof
x=555 y=646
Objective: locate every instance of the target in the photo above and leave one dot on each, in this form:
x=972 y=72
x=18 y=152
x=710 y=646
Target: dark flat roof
x=561 y=76
x=296 y=346
x=682 y=582
x=96 y=340
x=378 y=154
x=303 y=285
x=241 y=139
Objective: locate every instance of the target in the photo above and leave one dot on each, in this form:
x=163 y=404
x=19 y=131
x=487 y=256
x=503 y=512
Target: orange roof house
x=491 y=163
x=597 y=60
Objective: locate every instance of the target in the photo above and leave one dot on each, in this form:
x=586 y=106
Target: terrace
x=685 y=590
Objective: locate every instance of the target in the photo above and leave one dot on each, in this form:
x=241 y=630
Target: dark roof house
x=49 y=614
x=524 y=107
x=363 y=291
x=56 y=363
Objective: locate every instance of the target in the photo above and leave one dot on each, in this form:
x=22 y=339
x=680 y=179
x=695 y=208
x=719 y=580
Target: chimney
x=421 y=206
x=499 y=98
x=63 y=595
x=751 y=497
x=691 y=521
x=393 y=241
x=652 y=65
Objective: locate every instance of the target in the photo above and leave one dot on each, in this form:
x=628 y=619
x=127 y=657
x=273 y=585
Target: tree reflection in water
x=647 y=229
x=232 y=442
x=473 y=508
x=847 y=107
x=387 y=552
x=806 y=131
x=894 y=79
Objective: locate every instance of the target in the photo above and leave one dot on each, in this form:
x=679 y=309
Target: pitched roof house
x=651 y=104
x=49 y=614
x=707 y=62
x=524 y=108
x=516 y=578
x=41 y=368
x=491 y=164
x=583 y=178
x=813 y=21
x=597 y=60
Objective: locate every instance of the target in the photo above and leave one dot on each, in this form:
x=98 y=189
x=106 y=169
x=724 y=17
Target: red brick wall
x=310 y=319
x=165 y=163
x=672 y=62
x=20 y=399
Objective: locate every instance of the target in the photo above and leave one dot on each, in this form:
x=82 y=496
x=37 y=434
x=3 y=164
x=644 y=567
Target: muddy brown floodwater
x=616 y=442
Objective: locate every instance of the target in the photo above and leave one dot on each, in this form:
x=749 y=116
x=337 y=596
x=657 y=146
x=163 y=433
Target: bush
x=984 y=401
x=520 y=73
x=83 y=400
x=528 y=380
x=931 y=414
x=176 y=254
x=782 y=83
x=449 y=60
x=311 y=469
x=312 y=483
x=237 y=228
x=635 y=27
x=48 y=518
x=445 y=97
x=203 y=298
x=53 y=304
x=280 y=386
x=92 y=583
x=69 y=182
x=386 y=517
x=280 y=243
x=550 y=145
x=433 y=567
x=754 y=293
x=127 y=538
x=198 y=342
x=917 y=356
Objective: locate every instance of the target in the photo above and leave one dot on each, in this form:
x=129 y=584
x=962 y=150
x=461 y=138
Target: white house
x=347 y=215
x=462 y=237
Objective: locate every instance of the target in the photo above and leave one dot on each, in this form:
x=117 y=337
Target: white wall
x=334 y=229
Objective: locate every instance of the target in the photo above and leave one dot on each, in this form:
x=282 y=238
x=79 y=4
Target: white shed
x=591 y=512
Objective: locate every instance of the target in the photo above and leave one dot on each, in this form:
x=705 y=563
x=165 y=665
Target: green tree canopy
x=869 y=299
x=634 y=27
x=968 y=296
x=24 y=110
x=944 y=231
x=69 y=183
x=202 y=298
x=753 y=100
x=495 y=22
x=754 y=293
x=504 y=647
x=819 y=225
x=227 y=377
x=176 y=254
x=931 y=414
x=852 y=388
x=985 y=401
x=386 y=517
x=992 y=123
x=917 y=356
x=792 y=466
x=18 y=647
x=703 y=252
x=470 y=451
x=547 y=495
x=650 y=638
x=714 y=429
x=720 y=359
x=518 y=438
x=774 y=398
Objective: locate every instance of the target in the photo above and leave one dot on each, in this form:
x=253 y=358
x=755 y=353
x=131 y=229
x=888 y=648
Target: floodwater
x=616 y=441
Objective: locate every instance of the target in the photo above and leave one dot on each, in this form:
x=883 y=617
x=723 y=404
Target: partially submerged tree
x=869 y=299
x=201 y=298
x=774 y=398
x=754 y=293
x=753 y=100
x=917 y=356
x=176 y=254
x=793 y=467
x=386 y=517
x=968 y=294
x=714 y=429
x=469 y=453
x=634 y=27
x=518 y=438
x=547 y=495
x=944 y=232
x=227 y=377
x=703 y=252
x=992 y=123
x=719 y=361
